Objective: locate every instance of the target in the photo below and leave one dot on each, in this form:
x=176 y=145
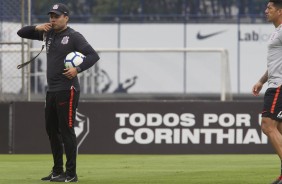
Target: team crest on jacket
x=65 y=40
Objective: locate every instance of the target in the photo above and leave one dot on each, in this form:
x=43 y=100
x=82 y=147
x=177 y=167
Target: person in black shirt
x=63 y=87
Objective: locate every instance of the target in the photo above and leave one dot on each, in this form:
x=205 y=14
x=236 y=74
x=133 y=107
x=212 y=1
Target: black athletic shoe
x=278 y=180
x=59 y=178
x=71 y=179
x=52 y=175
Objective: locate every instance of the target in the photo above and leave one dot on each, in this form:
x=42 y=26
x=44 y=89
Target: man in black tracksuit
x=63 y=87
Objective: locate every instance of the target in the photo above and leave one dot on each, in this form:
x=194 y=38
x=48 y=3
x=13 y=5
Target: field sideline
x=147 y=169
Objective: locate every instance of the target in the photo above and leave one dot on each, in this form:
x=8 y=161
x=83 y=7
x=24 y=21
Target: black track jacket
x=58 y=46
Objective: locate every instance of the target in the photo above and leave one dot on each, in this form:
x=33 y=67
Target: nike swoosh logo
x=70 y=180
x=53 y=177
x=202 y=37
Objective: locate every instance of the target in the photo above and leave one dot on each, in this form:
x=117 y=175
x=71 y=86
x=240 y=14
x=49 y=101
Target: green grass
x=147 y=169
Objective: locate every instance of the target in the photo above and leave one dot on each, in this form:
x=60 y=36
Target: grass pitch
x=147 y=169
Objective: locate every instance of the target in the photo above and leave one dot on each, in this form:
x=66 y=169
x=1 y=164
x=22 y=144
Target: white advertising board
x=164 y=72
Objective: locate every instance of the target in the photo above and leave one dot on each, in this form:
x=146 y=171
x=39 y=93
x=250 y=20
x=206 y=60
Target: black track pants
x=60 y=110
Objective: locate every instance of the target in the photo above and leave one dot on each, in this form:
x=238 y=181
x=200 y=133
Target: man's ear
x=280 y=11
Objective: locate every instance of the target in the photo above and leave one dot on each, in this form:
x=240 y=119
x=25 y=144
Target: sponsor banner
x=253 y=43
x=210 y=36
x=4 y=130
x=156 y=127
x=174 y=128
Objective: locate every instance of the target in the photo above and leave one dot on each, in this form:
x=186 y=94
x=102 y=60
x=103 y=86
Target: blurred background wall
x=239 y=26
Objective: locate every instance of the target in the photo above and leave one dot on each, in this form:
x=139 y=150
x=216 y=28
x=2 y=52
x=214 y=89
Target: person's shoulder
x=75 y=34
x=72 y=31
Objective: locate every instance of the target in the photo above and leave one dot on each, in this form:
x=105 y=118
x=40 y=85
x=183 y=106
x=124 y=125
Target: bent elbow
x=19 y=33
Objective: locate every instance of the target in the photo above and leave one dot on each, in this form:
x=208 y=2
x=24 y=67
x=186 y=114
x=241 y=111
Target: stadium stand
x=159 y=10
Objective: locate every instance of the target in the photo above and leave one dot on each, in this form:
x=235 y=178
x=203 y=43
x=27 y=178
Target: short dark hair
x=276 y=3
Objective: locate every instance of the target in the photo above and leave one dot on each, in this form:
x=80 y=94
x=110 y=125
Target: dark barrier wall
x=152 y=127
x=29 y=128
x=4 y=128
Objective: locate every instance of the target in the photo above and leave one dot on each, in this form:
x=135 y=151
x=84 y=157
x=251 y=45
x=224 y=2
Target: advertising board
x=151 y=127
